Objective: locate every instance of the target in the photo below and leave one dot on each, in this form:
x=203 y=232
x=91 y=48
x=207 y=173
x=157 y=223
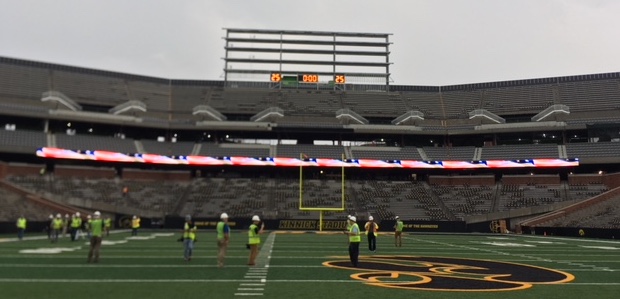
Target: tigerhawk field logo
x=448 y=274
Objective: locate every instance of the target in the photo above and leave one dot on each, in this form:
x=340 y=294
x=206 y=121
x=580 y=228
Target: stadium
x=303 y=143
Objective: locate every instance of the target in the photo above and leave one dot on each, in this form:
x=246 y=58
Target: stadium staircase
x=51 y=140
x=439 y=202
x=477 y=154
x=139 y=146
x=564 y=191
x=352 y=198
x=196 y=149
x=348 y=154
x=562 y=152
x=497 y=193
x=178 y=208
x=422 y=154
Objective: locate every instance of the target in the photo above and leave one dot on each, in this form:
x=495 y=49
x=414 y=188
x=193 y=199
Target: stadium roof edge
x=457 y=87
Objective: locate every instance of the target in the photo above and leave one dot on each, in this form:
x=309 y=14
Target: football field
x=314 y=265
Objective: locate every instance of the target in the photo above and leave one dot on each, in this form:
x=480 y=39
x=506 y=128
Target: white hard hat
x=396 y=217
x=66 y=215
x=58 y=215
x=88 y=216
x=225 y=216
x=77 y=214
x=51 y=216
x=134 y=216
x=255 y=218
x=97 y=213
x=370 y=218
x=348 y=216
x=352 y=218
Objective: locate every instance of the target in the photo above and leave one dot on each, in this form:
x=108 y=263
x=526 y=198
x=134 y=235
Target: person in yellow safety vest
x=223 y=237
x=107 y=224
x=254 y=239
x=354 y=240
x=371 y=228
x=189 y=237
x=398 y=227
x=96 y=230
x=21 y=227
x=56 y=227
x=76 y=227
x=135 y=225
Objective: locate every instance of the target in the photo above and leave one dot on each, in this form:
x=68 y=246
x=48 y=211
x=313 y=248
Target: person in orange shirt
x=371 y=232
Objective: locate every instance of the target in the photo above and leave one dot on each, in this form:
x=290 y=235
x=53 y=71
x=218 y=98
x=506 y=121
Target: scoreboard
x=306 y=78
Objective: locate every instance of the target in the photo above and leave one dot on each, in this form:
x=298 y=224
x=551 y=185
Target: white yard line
x=257 y=276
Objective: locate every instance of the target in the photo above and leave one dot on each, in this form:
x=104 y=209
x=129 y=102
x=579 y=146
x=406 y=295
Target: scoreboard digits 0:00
x=308 y=78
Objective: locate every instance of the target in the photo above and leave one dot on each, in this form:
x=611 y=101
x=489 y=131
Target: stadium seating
x=466 y=200
x=227 y=150
x=592 y=99
x=459 y=153
x=93 y=142
x=23 y=82
x=311 y=151
x=13 y=206
x=519 y=99
x=520 y=151
x=386 y=153
x=593 y=149
x=167 y=148
x=90 y=88
x=153 y=196
x=22 y=141
x=590 y=95
x=424 y=101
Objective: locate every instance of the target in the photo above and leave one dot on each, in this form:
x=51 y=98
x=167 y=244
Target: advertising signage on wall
x=107 y=156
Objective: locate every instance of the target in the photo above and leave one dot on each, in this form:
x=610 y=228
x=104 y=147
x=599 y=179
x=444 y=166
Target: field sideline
x=309 y=265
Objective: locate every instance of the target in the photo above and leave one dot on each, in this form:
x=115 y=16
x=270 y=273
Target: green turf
x=154 y=268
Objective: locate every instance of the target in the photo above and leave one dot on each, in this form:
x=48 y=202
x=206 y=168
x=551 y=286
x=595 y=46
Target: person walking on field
x=254 y=239
x=135 y=225
x=21 y=227
x=398 y=232
x=354 y=240
x=96 y=234
x=223 y=237
x=76 y=227
x=371 y=228
x=189 y=236
x=107 y=224
x=56 y=228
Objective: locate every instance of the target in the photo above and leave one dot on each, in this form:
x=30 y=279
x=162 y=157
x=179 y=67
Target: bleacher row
x=270 y=197
x=604 y=215
x=24 y=81
x=29 y=141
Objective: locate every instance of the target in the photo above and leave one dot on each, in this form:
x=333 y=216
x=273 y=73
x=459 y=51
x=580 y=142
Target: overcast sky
x=435 y=42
